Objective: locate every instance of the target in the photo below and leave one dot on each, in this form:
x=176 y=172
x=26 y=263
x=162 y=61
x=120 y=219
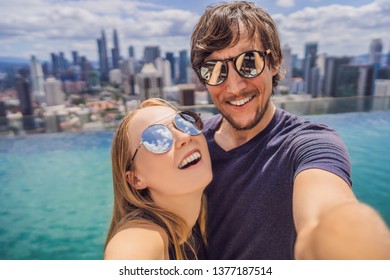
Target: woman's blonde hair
x=133 y=206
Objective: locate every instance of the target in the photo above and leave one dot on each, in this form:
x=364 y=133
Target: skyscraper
x=37 y=79
x=171 y=58
x=103 y=57
x=151 y=53
x=309 y=63
x=54 y=93
x=131 y=52
x=375 y=54
x=183 y=62
x=332 y=68
x=115 y=51
x=23 y=89
x=149 y=82
x=287 y=60
x=55 y=65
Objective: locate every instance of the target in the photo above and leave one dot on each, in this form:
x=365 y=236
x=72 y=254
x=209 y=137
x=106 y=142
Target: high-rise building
x=115 y=51
x=103 y=57
x=375 y=55
x=23 y=89
x=149 y=82
x=131 y=52
x=332 y=69
x=3 y=115
x=151 y=53
x=63 y=62
x=55 y=71
x=171 y=58
x=37 y=79
x=163 y=67
x=76 y=58
x=309 y=63
x=54 y=93
x=388 y=59
x=287 y=61
x=183 y=63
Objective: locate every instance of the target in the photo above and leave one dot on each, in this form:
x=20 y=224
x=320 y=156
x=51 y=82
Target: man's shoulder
x=211 y=124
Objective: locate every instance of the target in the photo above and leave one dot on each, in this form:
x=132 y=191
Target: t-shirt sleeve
x=322 y=149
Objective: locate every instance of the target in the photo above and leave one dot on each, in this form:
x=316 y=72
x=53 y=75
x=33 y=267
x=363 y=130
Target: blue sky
x=39 y=27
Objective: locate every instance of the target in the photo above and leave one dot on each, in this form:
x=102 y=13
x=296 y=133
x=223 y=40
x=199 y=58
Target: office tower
x=183 y=62
x=86 y=67
x=115 y=76
x=382 y=87
x=151 y=53
x=76 y=58
x=309 y=63
x=3 y=115
x=163 y=67
x=131 y=52
x=171 y=58
x=55 y=71
x=375 y=54
x=287 y=61
x=23 y=89
x=332 y=69
x=186 y=94
x=388 y=59
x=37 y=79
x=54 y=93
x=103 y=57
x=355 y=80
x=63 y=62
x=149 y=82
x=115 y=51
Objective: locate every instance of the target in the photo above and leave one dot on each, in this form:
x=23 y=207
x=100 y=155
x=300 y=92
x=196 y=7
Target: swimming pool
x=56 y=193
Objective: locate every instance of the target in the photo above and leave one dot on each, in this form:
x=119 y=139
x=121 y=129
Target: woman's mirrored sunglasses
x=158 y=138
x=249 y=64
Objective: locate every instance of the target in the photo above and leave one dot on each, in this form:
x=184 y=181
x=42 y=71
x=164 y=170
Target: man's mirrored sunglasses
x=158 y=138
x=249 y=64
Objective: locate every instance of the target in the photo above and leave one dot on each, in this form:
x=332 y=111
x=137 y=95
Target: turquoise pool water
x=56 y=196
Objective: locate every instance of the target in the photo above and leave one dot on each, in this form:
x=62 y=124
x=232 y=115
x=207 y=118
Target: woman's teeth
x=192 y=159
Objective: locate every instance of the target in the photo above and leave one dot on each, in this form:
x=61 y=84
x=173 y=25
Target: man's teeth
x=241 y=101
x=195 y=156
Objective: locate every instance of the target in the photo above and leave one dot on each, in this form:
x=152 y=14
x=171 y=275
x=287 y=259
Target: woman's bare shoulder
x=138 y=241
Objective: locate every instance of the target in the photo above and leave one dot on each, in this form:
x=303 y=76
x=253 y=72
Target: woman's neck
x=185 y=206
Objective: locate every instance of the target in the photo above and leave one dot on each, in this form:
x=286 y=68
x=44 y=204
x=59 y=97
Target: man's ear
x=136 y=181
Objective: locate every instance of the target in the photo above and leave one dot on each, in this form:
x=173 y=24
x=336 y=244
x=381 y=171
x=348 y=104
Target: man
x=281 y=187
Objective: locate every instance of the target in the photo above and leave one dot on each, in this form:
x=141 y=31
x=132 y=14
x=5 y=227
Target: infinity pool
x=56 y=193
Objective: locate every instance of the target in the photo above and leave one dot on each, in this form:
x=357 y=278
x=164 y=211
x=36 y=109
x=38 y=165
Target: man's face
x=242 y=101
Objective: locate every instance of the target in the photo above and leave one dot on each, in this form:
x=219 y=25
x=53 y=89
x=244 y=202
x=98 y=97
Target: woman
x=160 y=167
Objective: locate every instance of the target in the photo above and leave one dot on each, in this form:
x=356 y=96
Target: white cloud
x=338 y=29
x=285 y=3
x=40 y=27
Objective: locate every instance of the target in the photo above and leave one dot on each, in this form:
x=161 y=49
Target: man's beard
x=259 y=115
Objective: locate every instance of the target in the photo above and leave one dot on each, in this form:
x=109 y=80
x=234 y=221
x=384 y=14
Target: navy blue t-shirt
x=250 y=197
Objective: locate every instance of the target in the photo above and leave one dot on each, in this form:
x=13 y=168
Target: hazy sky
x=39 y=27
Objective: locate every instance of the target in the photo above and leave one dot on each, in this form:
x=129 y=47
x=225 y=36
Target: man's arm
x=332 y=224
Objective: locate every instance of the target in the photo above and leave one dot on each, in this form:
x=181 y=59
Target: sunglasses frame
x=198 y=124
x=262 y=54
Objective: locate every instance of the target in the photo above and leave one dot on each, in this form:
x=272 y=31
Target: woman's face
x=163 y=174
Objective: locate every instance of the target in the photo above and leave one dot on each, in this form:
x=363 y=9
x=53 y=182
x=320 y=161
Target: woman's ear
x=135 y=180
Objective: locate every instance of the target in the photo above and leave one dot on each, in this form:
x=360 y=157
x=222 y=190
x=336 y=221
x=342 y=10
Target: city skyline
x=45 y=26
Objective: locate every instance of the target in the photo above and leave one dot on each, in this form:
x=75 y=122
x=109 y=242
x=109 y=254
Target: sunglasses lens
x=189 y=122
x=213 y=72
x=249 y=64
x=157 y=139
